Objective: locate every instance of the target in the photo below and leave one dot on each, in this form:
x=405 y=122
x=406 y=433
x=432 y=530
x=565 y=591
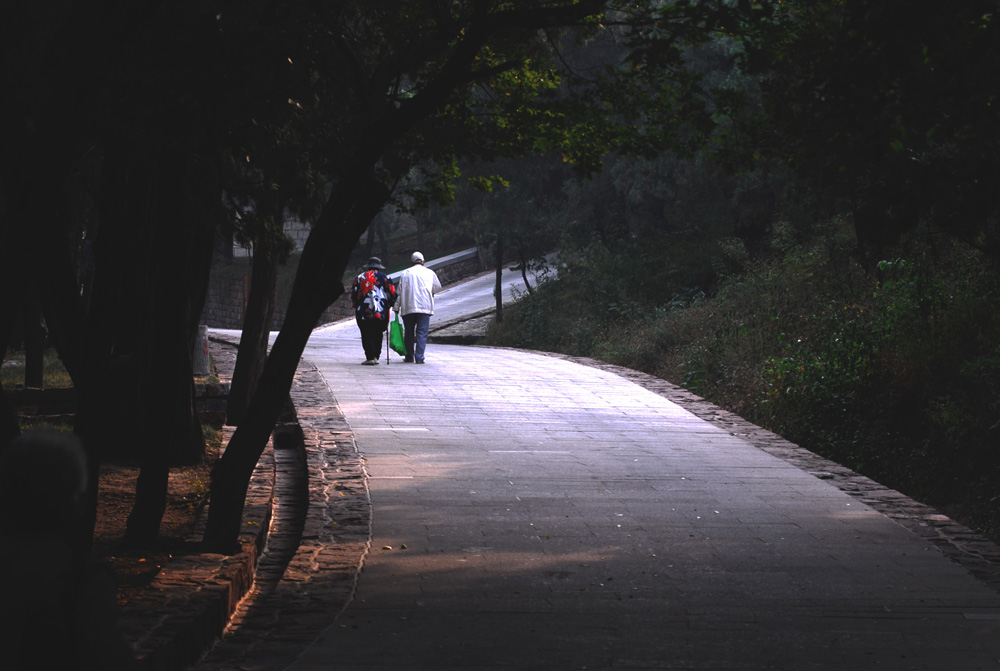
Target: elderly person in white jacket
x=417 y=286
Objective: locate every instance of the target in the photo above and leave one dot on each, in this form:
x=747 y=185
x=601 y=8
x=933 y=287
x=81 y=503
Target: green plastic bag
x=396 y=336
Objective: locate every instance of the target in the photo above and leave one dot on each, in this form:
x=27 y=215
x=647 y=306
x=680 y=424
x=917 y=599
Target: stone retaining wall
x=224 y=304
x=458 y=266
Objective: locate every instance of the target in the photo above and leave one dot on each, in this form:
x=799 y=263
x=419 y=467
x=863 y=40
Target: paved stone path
x=531 y=512
x=514 y=510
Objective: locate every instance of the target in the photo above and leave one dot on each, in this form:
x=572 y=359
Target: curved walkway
x=514 y=510
x=531 y=512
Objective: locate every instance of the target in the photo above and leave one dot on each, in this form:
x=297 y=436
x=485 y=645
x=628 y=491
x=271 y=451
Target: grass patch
x=54 y=375
x=58 y=423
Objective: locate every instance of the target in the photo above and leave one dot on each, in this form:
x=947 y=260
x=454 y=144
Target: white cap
x=417 y=257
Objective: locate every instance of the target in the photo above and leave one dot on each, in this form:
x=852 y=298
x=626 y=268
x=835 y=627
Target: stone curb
x=261 y=607
x=190 y=603
x=282 y=617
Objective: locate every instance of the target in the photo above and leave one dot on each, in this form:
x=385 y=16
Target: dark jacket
x=372 y=294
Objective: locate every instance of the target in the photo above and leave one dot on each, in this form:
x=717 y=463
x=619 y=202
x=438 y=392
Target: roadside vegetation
x=893 y=372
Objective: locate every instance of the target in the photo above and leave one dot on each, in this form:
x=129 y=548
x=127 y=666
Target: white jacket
x=417 y=286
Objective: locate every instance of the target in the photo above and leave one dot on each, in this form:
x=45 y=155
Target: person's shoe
x=369 y=362
x=408 y=359
x=420 y=361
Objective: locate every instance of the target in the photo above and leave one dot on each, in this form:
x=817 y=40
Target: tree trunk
x=355 y=201
x=34 y=342
x=498 y=287
x=59 y=294
x=256 y=330
x=231 y=474
x=524 y=276
x=143 y=524
x=172 y=249
x=523 y=260
x=167 y=408
x=9 y=426
x=370 y=241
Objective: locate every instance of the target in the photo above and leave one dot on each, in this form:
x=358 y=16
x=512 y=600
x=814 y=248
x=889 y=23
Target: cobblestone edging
x=188 y=605
x=979 y=555
x=283 y=614
x=308 y=521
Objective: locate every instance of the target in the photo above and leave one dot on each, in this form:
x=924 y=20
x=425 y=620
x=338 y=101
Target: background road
x=475 y=295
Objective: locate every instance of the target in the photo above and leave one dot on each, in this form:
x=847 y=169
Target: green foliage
x=30 y=423
x=900 y=385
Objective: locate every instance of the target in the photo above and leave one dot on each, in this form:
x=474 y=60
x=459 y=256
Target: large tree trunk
x=173 y=254
x=167 y=402
x=256 y=330
x=167 y=409
x=318 y=282
x=231 y=474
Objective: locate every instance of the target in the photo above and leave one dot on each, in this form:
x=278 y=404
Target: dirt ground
x=188 y=489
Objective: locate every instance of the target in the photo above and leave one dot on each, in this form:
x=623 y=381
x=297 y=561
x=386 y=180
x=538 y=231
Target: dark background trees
x=106 y=139
x=891 y=106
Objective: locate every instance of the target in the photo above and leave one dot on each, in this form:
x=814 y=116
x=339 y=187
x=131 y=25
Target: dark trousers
x=415 y=329
x=372 y=335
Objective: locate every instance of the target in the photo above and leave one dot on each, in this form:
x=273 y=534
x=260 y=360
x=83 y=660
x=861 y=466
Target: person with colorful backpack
x=372 y=294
